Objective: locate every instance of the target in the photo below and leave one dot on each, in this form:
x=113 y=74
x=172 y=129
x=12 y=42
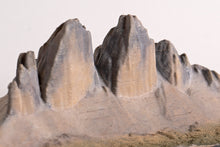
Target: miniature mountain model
x=65 y=66
x=130 y=85
x=126 y=59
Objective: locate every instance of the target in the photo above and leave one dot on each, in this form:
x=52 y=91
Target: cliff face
x=176 y=69
x=171 y=66
x=130 y=85
x=126 y=59
x=24 y=91
x=65 y=66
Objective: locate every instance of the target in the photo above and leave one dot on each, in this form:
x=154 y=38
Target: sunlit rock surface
x=24 y=92
x=65 y=66
x=126 y=59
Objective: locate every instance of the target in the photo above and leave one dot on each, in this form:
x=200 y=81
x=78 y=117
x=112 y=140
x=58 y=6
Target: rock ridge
x=130 y=85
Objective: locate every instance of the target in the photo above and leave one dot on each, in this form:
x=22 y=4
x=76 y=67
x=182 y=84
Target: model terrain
x=130 y=92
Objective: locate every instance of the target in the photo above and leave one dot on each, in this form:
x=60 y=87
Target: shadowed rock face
x=210 y=77
x=173 y=68
x=24 y=91
x=126 y=59
x=184 y=60
x=177 y=70
x=167 y=62
x=65 y=65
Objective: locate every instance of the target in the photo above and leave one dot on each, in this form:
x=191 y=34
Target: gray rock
x=24 y=91
x=166 y=59
x=174 y=68
x=139 y=95
x=65 y=66
x=126 y=59
x=210 y=77
x=3 y=108
x=177 y=70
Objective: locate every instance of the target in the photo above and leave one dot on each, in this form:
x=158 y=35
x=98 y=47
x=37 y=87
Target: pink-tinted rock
x=126 y=59
x=65 y=66
x=24 y=91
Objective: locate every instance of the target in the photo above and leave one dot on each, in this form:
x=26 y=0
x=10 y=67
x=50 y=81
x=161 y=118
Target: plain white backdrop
x=193 y=26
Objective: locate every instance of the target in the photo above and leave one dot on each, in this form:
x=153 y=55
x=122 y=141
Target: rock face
x=126 y=59
x=139 y=87
x=174 y=68
x=208 y=77
x=3 y=108
x=65 y=66
x=24 y=91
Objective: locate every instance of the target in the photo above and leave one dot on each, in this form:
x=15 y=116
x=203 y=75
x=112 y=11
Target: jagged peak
x=24 y=90
x=165 y=46
x=184 y=59
x=216 y=75
x=207 y=74
x=127 y=46
x=197 y=68
x=64 y=60
x=65 y=28
x=133 y=93
x=128 y=20
x=129 y=24
x=27 y=60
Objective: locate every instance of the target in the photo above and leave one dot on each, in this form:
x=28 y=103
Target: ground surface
x=208 y=135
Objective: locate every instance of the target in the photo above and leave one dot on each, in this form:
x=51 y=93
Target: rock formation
x=210 y=77
x=65 y=66
x=3 y=108
x=130 y=85
x=24 y=91
x=126 y=59
x=174 y=68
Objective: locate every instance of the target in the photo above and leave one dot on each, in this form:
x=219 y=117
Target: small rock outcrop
x=177 y=70
x=24 y=91
x=210 y=77
x=65 y=65
x=126 y=59
x=174 y=68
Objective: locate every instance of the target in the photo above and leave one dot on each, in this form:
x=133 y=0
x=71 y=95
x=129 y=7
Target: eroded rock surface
x=126 y=59
x=173 y=68
x=3 y=108
x=65 y=65
x=138 y=89
x=177 y=70
x=206 y=77
x=24 y=91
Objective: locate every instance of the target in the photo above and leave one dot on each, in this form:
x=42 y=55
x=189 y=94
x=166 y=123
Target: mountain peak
x=129 y=85
x=62 y=60
x=117 y=63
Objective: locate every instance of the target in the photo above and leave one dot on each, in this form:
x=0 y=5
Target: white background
x=193 y=26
